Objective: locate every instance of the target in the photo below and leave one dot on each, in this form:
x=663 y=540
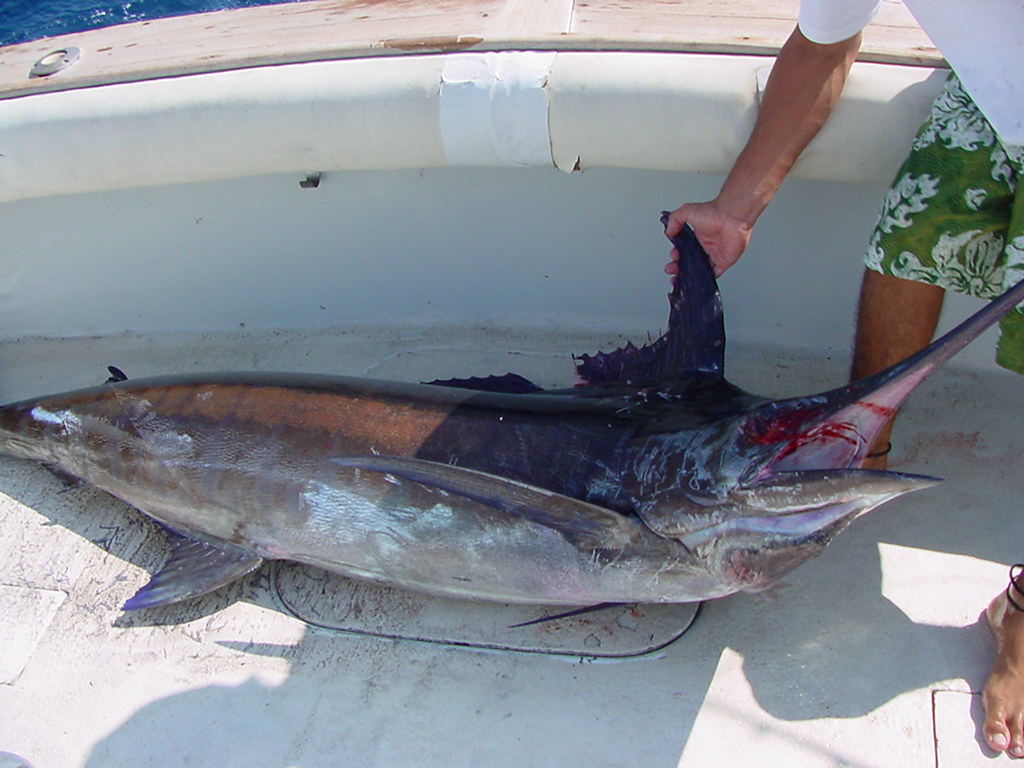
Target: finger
x=675 y=223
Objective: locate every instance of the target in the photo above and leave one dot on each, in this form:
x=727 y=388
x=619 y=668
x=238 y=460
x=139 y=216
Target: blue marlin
x=653 y=480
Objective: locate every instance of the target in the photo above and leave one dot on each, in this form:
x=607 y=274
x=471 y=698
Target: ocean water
x=24 y=20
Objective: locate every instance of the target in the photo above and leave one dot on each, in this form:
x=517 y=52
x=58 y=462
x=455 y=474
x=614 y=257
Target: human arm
x=802 y=90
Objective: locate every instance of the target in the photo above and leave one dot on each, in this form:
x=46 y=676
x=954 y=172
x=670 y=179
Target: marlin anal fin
x=584 y=525
x=193 y=569
x=694 y=340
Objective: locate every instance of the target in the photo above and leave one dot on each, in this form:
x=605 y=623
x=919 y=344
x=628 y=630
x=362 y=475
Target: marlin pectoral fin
x=193 y=569
x=584 y=525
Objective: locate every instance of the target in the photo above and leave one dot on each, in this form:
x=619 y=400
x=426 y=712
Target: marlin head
x=765 y=530
x=758 y=492
x=750 y=519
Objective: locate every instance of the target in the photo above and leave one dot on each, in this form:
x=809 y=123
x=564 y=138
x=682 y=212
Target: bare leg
x=1004 y=691
x=895 y=319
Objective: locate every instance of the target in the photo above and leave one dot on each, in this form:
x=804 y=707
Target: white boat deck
x=871 y=655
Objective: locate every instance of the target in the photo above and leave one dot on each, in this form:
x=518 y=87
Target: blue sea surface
x=24 y=20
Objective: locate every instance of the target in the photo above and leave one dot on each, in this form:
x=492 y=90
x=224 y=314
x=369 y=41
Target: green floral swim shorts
x=953 y=217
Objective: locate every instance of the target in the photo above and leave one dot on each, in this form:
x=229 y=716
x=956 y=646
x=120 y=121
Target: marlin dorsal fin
x=694 y=341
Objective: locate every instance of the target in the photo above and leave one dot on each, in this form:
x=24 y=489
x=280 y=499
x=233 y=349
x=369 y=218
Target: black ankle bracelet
x=884 y=452
x=1015 y=585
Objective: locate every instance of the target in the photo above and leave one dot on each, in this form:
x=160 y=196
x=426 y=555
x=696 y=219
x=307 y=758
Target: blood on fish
x=840 y=433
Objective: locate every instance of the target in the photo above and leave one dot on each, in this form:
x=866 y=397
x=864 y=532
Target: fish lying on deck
x=655 y=480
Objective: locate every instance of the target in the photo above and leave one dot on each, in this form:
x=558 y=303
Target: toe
x=996 y=728
x=997 y=736
x=1016 y=748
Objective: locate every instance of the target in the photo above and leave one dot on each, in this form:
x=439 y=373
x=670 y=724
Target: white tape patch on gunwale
x=494 y=108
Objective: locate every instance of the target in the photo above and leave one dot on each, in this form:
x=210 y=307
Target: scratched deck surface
x=857 y=661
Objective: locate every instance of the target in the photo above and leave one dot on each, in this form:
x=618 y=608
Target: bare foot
x=1004 y=691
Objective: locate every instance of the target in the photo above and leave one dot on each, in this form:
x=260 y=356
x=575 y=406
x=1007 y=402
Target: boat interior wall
x=694 y=112
x=364 y=113
x=572 y=110
x=463 y=249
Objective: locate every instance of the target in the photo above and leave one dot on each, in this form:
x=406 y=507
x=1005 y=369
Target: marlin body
x=654 y=480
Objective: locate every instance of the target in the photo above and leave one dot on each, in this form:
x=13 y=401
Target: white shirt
x=983 y=41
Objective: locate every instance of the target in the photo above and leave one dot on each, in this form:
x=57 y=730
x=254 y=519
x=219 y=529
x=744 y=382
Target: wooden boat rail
x=323 y=30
